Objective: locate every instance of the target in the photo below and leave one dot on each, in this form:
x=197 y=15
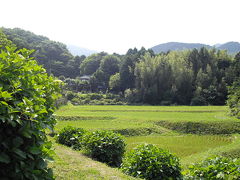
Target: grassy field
x=181 y=145
x=190 y=148
x=120 y=117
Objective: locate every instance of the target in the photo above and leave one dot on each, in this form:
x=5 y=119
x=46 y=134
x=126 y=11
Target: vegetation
x=54 y=56
x=27 y=97
x=129 y=118
x=183 y=145
x=94 y=98
x=105 y=146
x=215 y=168
x=192 y=77
x=150 y=162
x=144 y=125
x=70 y=164
x=234 y=90
x=71 y=137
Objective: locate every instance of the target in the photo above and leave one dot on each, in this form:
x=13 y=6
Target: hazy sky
x=117 y=25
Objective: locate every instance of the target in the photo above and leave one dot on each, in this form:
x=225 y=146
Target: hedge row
x=104 y=146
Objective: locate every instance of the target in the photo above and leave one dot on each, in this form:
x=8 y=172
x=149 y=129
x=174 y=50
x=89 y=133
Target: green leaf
x=4 y=158
x=20 y=153
x=17 y=141
x=35 y=150
x=4 y=103
x=6 y=95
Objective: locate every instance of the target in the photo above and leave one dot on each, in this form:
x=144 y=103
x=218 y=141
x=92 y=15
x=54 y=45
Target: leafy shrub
x=150 y=162
x=70 y=95
x=95 y=96
x=71 y=137
x=94 y=99
x=131 y=96
x=137 y=131
x=215 y=168
x=105 y=146
x=27 y=98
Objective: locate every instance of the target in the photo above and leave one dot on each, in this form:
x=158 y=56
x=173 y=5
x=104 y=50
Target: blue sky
x=117 y=25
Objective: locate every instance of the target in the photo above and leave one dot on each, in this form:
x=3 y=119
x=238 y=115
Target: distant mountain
x=177 y=46
x=231 y=47
x=75 y=50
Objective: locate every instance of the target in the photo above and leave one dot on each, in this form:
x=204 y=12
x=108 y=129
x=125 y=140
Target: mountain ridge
x=232 y=47
x=79 y=51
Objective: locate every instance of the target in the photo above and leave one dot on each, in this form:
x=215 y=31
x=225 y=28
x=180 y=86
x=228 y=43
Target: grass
x=122 y=117
x=226 y=150
x=182 y=145
x=71 y=164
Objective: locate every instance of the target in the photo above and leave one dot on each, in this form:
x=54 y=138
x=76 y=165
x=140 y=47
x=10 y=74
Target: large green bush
x=71 y=137
x=215 y=168
x=27 y=97
x=105 y=146
x=150 y=162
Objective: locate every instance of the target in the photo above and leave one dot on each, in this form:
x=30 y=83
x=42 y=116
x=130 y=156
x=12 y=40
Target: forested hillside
x=189 y=77
x=54 y=56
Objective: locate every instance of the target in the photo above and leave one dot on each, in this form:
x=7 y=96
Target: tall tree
x=91 y=63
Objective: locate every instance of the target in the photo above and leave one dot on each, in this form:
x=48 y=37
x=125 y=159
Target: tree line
x=190 y=77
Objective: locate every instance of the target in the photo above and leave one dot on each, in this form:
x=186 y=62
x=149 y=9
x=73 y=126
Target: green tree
x=234 y=98
x=234 y=90
x=90 y=65
x=194 y=62
x=110 y=65
x=153 y=78
x=114 y=82
x=27 y=98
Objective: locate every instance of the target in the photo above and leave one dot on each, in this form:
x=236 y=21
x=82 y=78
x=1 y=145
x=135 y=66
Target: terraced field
x=187 y=131
x=153 y=118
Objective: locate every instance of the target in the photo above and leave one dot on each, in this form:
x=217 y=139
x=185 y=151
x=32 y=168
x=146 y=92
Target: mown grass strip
x=73 y=165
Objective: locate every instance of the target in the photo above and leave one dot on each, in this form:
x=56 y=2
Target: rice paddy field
x=120 y=117
x=189 y=147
